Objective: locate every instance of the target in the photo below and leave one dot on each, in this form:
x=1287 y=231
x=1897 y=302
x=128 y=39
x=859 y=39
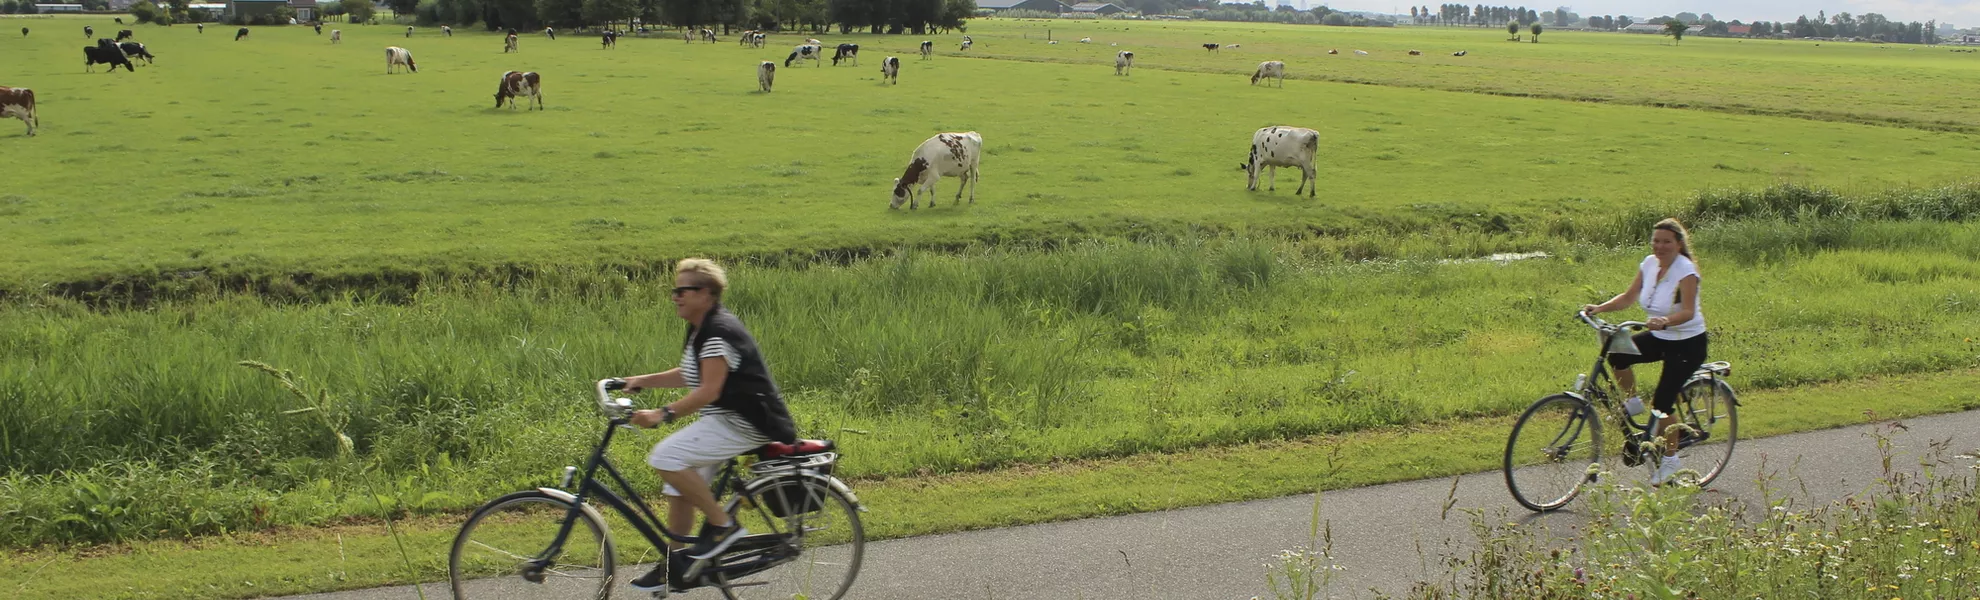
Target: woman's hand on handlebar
x=1656 y=323
x=1590 y=309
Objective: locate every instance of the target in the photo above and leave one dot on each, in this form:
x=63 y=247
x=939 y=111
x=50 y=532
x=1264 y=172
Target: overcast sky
x=1964 y=13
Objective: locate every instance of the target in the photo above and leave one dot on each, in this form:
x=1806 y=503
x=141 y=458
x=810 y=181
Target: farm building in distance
x=57 y=8
x=1098 y=8
x=305 y=9
x=1050 y=6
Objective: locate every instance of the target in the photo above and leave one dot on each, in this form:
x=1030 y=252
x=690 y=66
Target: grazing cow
x=318 y=27
x=19 y=103
x=1211 y=47
x=746 y=38
x=120 y=20
x=446 y=31
x=766 y=74
x=1123 y=62
x=1361 y=53
x=1281 y=146
x=814 y=42
x=238 y=35
x=846 y=52
x=519 y=87
x=927 y=48
x=1415 y=53
x=24 y=32
x=89 y=32
x=399 y=57
x=966 y=43
x=336 y=36
x=1234 y=46
x=509 y=44
x=1052 y=42
x=550 y=31
x=409 y=29
x=1270 y=69
x=134 y=49
x=708 y=35
x=805 y=52
x=950 y=154
x=757 y=41
x=1459 y=53
x=1085 y=40
x=687 y=35
x=609 y=39
x=890 y=70
x=202 y=28
x=1331 y=51
x=125 y=34
x=106 y=52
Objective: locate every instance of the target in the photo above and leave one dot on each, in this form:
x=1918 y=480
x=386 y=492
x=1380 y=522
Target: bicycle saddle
x=802 y=448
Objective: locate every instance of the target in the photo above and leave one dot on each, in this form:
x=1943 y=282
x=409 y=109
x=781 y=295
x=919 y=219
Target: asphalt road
x=1387 y=537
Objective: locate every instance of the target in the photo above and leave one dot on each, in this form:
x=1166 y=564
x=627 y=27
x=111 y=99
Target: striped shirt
x=691 y=374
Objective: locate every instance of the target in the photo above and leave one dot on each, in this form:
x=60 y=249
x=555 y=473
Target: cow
x=890 y=70
x=125 y=34
x=846 y=52
x=446 y=31
x=966 y=44
x=242 y=33
x=708 y=35
x=687 y=35
x=202 y=28
x=106 y=52
x=1052 y=42
x=550 y=31
x=518 y=88
x=89 y=32
x=1281 y=146
x=757 y=40
x=19 y=103
x=336 y=36
x=950 y=154
x=1211 y=47
x=609 y=39
x=766 y=74
x=24 y=32
x=1085 y=40
x=1333 y=51
x=746 y=38
x=509 y=44
x=927 y=48
x=1460 y=53
x=399 y=57
x=1123 y=63
x=1361 y=53
x=1234 y=46
x=135 y=49
x=1270 y=69
x=814 y=42
x=120 y=20
x=409 y=29
x=1416 y=53
x=804 y=52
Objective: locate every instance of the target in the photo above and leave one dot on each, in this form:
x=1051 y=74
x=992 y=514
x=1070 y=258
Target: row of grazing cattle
x=110 y=52
x=766 y=71
x=515 y=87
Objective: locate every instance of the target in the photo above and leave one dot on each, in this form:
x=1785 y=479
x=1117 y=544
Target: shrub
x=145 y=12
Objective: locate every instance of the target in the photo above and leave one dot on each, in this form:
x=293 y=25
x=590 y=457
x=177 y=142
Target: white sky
x=1964 y=13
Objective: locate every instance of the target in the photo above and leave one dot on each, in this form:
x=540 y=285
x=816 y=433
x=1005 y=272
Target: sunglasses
x=685 y=289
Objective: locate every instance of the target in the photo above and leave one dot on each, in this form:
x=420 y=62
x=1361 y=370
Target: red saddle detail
x=802 y=448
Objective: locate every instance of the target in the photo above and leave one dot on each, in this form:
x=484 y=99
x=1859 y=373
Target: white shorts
x=704 y=445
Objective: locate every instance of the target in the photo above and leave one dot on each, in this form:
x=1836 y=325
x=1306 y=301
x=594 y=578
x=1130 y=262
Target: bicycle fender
x=829 y=481
x=589 y=511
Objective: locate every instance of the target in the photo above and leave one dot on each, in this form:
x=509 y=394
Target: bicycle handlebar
x=613 y=408
x=1601 y=325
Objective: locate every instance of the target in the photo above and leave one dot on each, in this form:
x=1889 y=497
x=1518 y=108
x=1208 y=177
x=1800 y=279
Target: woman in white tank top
x=1666 y=285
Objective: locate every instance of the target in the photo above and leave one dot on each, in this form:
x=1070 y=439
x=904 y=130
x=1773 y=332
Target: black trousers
x=1681 y=358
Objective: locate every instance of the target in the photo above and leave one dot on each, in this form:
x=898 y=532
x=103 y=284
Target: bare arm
x=1687 y=305
x=714 y=373
x=1622 y=300
x=670 y=378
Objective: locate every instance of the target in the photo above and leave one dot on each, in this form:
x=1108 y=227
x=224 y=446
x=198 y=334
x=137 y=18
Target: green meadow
x=451 y=275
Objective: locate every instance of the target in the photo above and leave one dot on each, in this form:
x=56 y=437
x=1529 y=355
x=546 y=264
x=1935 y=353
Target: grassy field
x=285 y=153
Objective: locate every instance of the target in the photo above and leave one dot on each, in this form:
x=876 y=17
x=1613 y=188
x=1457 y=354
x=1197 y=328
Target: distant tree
x=609 y=11
x=1536 y=32
x=1688 y=17
x=560 y=13
x=1675 y=29
x=359 y=11
x=1623 y=22
x=144 y=11
x=27 y=7
x=1512 y=28
x=403 y=7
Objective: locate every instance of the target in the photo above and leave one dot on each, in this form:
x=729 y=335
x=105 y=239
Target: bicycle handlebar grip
x=615 y=384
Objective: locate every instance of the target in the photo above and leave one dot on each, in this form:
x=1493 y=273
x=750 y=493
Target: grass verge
x=355 y=556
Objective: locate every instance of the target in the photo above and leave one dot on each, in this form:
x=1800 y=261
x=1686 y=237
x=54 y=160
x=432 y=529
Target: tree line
x=877 y=16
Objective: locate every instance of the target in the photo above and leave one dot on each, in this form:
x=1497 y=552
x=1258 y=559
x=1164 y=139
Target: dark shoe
x=652 y=580
x=716 y=540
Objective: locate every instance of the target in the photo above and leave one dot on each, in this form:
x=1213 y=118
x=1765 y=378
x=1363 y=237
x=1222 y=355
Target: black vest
x=749 y=392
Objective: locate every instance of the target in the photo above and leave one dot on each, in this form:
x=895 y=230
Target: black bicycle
x=553 y=543
x=1556 y=444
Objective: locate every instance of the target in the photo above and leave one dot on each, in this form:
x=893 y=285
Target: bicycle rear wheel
x=1550 y=452
x=822 y=542
x=493 y=555
x=1709 y=407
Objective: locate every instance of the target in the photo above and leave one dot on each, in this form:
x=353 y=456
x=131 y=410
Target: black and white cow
x=1270 y=69
x=927 y=48
x=805 y=52
x=846 y=52
x=1282 y=146
x=746 y=38
x=509 y=44
x=106 y=52
x=757 y=40
x=318 y=26
x=1123 y=62
x=446 y=31
x=239 y=35
x=399 y=57
x=550 y=31
x=1212 y=47
x=125 y=34
x=708 y=35
x=946 y=154
x=19 y=103
x=766 y=74
x=890 y=70
x=89 y=32
x=24 y=32
x=409 y=29
x=609 y=39
x=519 y=87
x=202 y=28
x=966 y=43
x=136 y=50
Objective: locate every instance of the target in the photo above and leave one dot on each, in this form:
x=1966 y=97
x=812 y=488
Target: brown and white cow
x=766 y=74
x=399 y=57
x=950 y=154
x=1282 y=146
x=19 y=103
x=509 y=44
x=890 y=70
x=1270 y=69
x=927 y=48
x=1123 y=62
x=519 y=88
x=336 y=36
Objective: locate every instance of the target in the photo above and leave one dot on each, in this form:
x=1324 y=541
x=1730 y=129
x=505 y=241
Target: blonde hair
x=1683 y=235
x=705 y=273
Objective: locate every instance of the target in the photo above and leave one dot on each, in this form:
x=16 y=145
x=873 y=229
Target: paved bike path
x=1386 y=536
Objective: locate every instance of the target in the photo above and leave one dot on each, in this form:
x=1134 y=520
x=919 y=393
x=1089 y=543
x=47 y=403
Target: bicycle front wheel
x=822 y=542
x=496 y=553
x=1551 y=451
x=1709 y=408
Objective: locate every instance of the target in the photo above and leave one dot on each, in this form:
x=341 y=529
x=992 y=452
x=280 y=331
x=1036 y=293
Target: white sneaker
x=1664 y=471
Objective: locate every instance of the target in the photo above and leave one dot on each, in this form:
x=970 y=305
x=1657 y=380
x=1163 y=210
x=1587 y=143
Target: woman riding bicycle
x=740 y=409
x=1666 y=284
